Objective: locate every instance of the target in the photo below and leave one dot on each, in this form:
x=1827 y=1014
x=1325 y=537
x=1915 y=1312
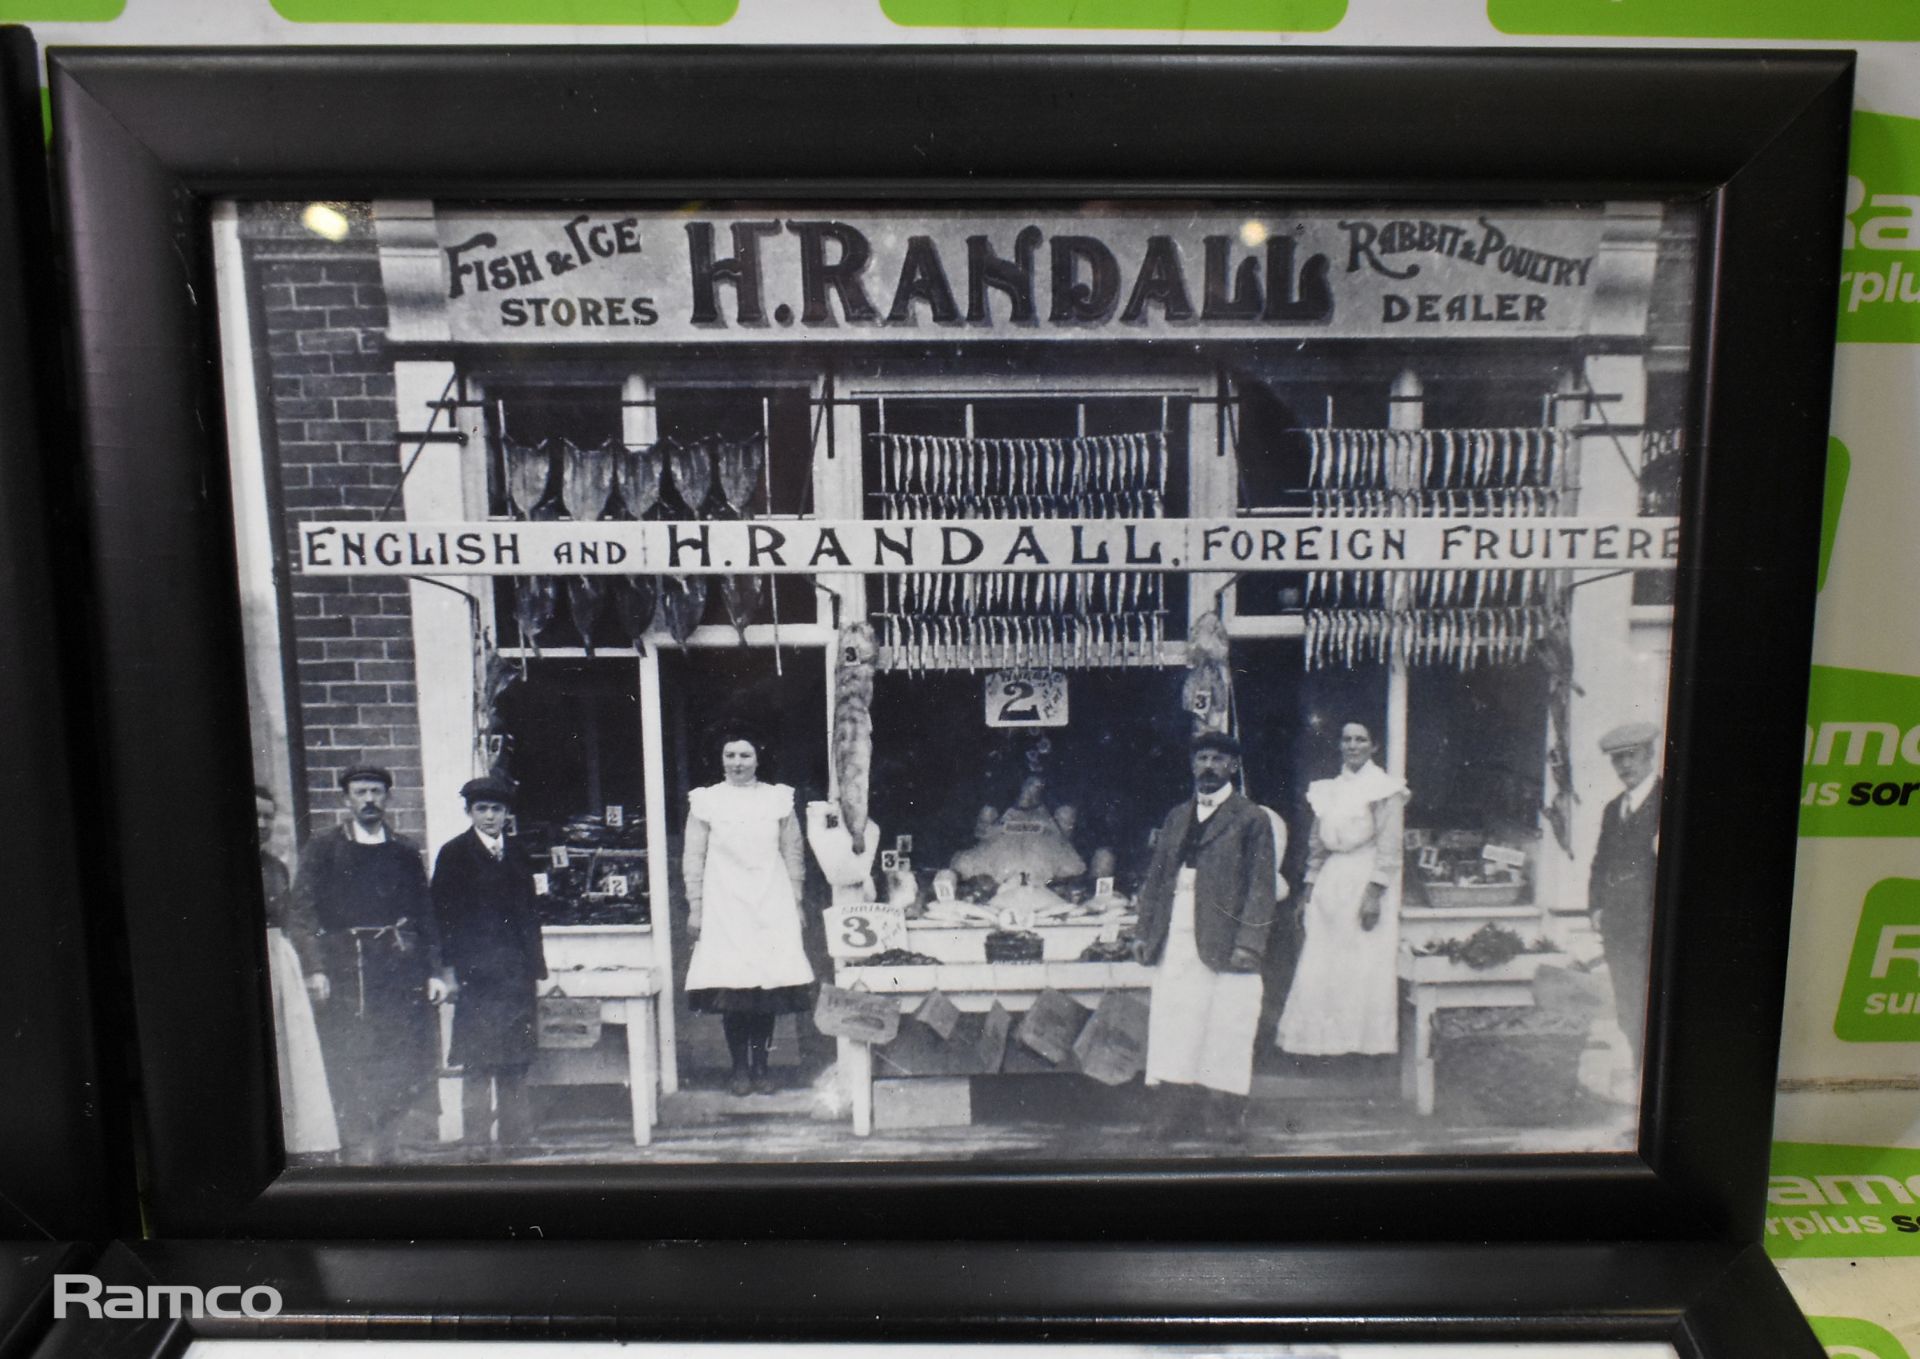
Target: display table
x=974 y=986
x=616 y=965
x=1434 y=983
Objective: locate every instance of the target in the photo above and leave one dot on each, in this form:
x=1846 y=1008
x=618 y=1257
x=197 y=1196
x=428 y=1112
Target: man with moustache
x=1206 y=908
x=365 y=890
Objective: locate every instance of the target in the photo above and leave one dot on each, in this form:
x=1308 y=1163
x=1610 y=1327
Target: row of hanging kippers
x=1091 y=641
x=1458 y=618
x=558 y=479
x=1075 y=476
x=988 y=620
x=1441 y=459
x=1463 y=638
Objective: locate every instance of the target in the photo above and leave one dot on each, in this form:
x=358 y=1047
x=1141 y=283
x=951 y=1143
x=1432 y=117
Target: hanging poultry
x=853 y=727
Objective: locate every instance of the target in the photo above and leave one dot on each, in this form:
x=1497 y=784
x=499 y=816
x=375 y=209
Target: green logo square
x=1880 y=1001
x=1851 y=1338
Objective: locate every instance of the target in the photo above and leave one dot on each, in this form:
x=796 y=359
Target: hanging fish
x=634 y=599
x=638 y=471
x=682 y=602
x=692 y=474
x=586 y=479
x=853 y=727
x=739 y=463
x=741 y=596
x=585 y=595
x=529 y=471
x=536 y=599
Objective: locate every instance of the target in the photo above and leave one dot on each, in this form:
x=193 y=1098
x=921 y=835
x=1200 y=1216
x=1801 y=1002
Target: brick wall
x=331 y=439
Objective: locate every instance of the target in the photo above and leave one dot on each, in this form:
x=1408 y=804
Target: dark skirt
x=750 y=1000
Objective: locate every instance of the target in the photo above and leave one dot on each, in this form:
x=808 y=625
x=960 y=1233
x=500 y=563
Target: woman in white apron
x=743 y=871
x=306 y=1105
x=1345 y=994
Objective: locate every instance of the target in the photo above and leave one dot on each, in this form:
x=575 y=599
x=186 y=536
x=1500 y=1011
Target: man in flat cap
x=365 y=890
x=1206 y=908
x=483 y=898
x=1620 y=886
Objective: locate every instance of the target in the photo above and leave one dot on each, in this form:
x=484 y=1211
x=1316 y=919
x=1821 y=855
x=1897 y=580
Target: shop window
x=571 y=741
x=1120 y=763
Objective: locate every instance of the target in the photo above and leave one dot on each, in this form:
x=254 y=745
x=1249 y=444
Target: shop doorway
x=702 y=692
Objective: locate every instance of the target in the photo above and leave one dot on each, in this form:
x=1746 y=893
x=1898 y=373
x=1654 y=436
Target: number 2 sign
x=1027 y=698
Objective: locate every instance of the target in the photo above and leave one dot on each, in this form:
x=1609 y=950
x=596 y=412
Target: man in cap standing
x=1620 y=886
x=483 y=898
x=365 y=890
x=1206 y=907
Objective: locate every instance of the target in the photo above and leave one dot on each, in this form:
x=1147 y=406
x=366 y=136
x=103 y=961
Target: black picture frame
x=1709 y=1301
x=145 y=140
x=27 y=1271
x=64 y=1168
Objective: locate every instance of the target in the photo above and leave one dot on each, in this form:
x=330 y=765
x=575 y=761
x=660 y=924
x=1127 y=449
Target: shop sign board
x=1234 y=272
x=1026 y=698
x=337 y=547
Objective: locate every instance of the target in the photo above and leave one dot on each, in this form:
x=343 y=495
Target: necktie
x=1190 y=842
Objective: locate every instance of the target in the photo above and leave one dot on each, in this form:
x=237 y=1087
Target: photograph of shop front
x=890 y=681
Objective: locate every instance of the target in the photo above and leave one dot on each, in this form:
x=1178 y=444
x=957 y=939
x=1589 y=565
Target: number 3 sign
x=1027 y=698
x=861 y=931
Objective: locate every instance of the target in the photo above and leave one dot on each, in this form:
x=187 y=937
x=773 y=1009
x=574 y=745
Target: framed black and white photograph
x=976 y=656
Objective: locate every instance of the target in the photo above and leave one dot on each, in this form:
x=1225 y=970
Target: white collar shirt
x=361 y=837
x=1206 y=804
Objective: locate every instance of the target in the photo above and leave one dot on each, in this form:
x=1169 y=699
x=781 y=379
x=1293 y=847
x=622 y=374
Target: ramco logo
x=1851 y=744
x=88 y=1297
x=1880 y=999
x=1880 y=221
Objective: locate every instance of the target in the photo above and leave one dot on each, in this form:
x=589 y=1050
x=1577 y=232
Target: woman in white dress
x=743 y=871
x=306 y=1105
x=1345 y=995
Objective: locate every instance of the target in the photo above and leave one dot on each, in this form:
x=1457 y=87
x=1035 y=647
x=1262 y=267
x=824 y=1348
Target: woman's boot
x=737 y=1028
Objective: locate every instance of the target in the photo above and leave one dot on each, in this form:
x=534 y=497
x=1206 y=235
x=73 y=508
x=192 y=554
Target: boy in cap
x=483 y=898
x=365 y=891
x=1620 y=885
x=1206 y=907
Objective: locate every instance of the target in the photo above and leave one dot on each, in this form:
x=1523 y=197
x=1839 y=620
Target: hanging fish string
x=530 y=474
x=989 y=619
x=613 y=480
x=1458 y=618
x=739 y=463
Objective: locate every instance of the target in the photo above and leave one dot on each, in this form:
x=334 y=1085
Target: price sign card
x=1027 y=698
x=864 y=930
